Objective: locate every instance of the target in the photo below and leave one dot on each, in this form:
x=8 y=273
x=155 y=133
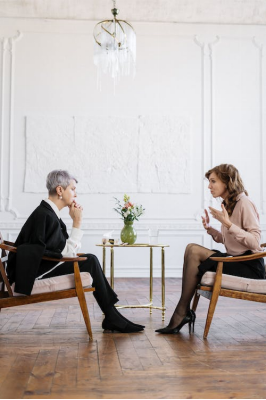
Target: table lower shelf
x=149 y=305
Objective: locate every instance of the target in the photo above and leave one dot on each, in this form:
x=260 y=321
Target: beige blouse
x=244 y=233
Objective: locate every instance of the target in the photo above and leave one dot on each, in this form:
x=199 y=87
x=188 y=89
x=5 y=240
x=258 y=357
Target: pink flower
x=128 y=204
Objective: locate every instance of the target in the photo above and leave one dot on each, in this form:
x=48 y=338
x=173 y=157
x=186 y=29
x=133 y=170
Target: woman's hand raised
x=75 y=212
x=221 y=216
x=206 y=220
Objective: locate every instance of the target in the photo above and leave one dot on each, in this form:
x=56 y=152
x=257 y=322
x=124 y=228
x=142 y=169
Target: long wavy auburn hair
x=230 y=176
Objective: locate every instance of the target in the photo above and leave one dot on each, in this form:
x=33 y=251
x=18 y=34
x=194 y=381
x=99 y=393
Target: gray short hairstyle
x=58 y=177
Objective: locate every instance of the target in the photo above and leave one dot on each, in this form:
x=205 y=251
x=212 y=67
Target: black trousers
x=104 y=294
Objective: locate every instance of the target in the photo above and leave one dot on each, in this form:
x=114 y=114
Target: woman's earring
x=60 y=197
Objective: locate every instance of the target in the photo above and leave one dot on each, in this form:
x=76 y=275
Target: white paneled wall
x=198 y=100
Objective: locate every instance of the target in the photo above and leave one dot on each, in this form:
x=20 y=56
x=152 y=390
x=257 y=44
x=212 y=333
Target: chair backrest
x=5 y=288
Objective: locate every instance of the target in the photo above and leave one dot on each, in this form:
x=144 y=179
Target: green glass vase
x=128 y=234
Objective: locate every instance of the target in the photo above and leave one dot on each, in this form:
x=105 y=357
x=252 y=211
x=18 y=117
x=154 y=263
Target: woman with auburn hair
x=240 y=233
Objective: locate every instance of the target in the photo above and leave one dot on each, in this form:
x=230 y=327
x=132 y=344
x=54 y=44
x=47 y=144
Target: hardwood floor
x=45 y=351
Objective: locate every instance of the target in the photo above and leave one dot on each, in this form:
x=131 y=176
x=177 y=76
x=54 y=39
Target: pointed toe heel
x=188 y=319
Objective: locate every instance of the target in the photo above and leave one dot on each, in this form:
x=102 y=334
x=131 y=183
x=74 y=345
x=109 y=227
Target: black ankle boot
x=113 y=316
x=124 y=318
x=128 y=328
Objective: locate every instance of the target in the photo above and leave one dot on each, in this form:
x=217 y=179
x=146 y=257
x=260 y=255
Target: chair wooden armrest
x=13 y=249
x=239 y=258
x=9 y=243
x=8 y=247
x=63 y=259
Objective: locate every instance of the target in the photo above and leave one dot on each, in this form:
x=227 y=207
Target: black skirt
x=253 y=269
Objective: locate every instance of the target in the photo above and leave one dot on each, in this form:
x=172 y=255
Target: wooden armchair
x=215 y=284
x=61 y=287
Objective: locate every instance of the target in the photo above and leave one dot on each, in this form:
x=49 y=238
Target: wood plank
x=6 y=362
x=65 y=377
x=109 y=359
x=128 y=356
x=45 y=318
x=45 y=352
x=41 y=378
x=16 y=380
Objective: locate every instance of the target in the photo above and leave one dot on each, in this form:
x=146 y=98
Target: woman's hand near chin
x=75 y=212
x=76 y=205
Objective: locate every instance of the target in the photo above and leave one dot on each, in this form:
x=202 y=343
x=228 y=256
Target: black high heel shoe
x=193 y=319
x=189 y=319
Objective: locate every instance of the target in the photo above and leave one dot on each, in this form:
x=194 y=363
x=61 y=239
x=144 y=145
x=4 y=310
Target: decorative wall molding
x=114 y=224
x=7 y=119
x=207 y=133
x=260 y=46
x=16 y=225
x=3 y=52
x=201 y=46
x=211 y=82
x=12 y=41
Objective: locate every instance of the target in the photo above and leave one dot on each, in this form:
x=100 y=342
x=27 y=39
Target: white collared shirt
x=73 y=243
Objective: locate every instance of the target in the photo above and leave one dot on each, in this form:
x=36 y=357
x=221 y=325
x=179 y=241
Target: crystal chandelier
x=114 y=47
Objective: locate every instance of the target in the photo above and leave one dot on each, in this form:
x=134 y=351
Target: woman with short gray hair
x=58 y=177
x=45 y=234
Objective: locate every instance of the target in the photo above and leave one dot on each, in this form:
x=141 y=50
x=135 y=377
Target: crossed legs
x=194 y=255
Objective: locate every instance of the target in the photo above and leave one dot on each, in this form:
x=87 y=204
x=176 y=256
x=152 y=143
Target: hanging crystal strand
x=99 y=79
x=114 y=85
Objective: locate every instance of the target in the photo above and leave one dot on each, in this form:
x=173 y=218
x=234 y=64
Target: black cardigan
x=43 y=234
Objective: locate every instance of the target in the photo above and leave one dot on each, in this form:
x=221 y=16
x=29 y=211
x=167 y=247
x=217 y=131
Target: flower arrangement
x=128 y=211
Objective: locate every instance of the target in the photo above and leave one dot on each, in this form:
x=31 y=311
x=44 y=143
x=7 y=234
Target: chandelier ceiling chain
x=114 y=47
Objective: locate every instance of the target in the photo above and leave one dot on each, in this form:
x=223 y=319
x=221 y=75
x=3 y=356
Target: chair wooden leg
x=195 y=300
x=214 y=299
x=82 y=300
x=211 y=310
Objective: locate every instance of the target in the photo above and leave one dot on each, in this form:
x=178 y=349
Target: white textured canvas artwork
x=164 y=155
x=110 y=154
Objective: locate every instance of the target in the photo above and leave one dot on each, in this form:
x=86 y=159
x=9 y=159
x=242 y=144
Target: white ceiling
x=185 y=11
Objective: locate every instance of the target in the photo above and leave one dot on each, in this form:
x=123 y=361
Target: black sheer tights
x=193 y=256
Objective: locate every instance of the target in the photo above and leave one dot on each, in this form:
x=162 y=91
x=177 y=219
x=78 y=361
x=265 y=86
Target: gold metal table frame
x=150 y=246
